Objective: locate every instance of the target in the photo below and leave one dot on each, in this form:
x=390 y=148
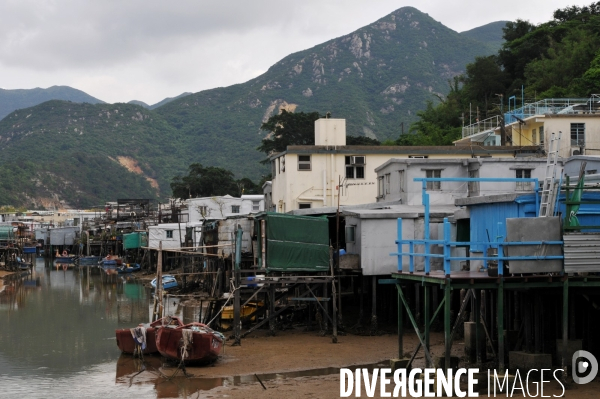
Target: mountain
x=490 y=34
x=377 y=78
x=160 y=103
x=168 y=100
x=140 y=103
x=11 y=100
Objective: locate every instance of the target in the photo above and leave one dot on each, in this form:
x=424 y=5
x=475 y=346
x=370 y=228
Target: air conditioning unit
x=357 y=160
x=575 y=151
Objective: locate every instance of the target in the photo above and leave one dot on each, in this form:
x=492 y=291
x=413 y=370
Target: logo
x=584 y=366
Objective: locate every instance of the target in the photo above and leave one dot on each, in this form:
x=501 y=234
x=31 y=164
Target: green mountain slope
x=11 y=100
x=377 y=78
x=86 y=154
x=490 y=34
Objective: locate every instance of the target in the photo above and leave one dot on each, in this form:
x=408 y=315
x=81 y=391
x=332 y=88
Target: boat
x=128 y=268
x=168 y=281
x=89 y=260
x=111 y=261
x=127 y=344
x=191 y=343
x=22 y=264
x=65 y=258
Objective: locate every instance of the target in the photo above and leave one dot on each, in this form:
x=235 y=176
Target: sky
x=147 y=50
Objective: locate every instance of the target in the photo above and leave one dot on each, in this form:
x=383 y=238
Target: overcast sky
x=122 y=50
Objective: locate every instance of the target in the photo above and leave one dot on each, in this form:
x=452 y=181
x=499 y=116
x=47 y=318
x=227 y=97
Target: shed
x=371 y=233
x=63 y=235
x=170 y=234
x=222 y=233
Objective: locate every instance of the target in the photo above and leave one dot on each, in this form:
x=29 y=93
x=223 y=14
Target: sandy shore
x=298 y=350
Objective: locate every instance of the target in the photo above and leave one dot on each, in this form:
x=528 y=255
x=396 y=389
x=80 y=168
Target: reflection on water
x=57 y=332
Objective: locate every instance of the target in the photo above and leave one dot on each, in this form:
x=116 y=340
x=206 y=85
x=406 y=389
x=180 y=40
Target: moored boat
x=168 y=281
x=191 y=343
x=127 y=343
x=128 y=268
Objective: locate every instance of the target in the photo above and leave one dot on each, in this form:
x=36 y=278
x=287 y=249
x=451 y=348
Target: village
x=491 y=242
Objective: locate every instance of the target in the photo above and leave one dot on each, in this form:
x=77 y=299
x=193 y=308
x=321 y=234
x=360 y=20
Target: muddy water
x=57 y=333
x=57 y=340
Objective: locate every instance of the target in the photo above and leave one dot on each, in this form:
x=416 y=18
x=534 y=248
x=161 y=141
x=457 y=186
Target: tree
x=361 y=140
x=288 y=128
x=211 y=182
x=203 y=182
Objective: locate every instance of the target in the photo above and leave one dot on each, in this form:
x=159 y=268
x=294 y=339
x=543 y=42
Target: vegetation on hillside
x=210 y=181
x=377 y=78
x=556 y=59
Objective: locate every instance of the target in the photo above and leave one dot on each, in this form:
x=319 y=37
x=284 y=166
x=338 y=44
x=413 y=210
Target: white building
x=211 y=208
x=314 y=176
x=395 y=178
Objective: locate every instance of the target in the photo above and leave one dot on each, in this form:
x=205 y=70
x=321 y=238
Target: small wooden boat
x=128 y=268
x=167 y=280
x=23 y=265
x=88 y=260
x=127 y=344
x=66 y=259
x=192 y=343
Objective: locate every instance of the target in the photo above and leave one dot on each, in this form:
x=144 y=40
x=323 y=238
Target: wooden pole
x=159 y=285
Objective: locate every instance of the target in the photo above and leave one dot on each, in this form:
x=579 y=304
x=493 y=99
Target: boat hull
x=205 y=347
x=126 y=343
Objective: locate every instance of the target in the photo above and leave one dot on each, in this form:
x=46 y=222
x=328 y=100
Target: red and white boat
x=192 y=343
x=127 y=343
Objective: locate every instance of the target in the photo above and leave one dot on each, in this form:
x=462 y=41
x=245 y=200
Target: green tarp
x=135 y=240
x=295 y=243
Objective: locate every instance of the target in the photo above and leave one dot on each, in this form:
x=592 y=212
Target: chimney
x=330 y=132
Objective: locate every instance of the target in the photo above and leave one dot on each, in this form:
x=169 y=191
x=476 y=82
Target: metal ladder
x=549 y=191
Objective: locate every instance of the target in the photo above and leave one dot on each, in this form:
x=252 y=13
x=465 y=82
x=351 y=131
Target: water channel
x=57 y=337
x=57 y=340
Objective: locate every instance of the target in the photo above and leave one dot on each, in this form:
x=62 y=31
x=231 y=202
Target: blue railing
x=448 y=244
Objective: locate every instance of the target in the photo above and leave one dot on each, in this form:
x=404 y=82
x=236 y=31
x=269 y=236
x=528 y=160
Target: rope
x=187 y=336
x=231 y=293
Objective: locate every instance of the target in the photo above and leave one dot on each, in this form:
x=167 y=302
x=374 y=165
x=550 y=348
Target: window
x=282 y=165
x=203 y=209
x=235 y=209
x=577 y=134
x=434 y=185
x=355 y=167
x=255 y=206
x=273 y=168
x=418 y=156
x=473 y=186
x=401 y=182
x=380 y=187
x=523 y=174
x=541 y=134
x=169 y=233
x=350 y=233
x=304 y=162
x=387 y=183
x=306 y=205
x=534 y=136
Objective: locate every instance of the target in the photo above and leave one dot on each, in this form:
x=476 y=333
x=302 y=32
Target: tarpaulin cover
x=134 y=240
x=297 y=243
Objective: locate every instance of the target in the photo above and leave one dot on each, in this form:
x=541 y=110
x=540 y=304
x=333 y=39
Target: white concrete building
x=312 y=176
x=395 y=178
x=211 y=208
